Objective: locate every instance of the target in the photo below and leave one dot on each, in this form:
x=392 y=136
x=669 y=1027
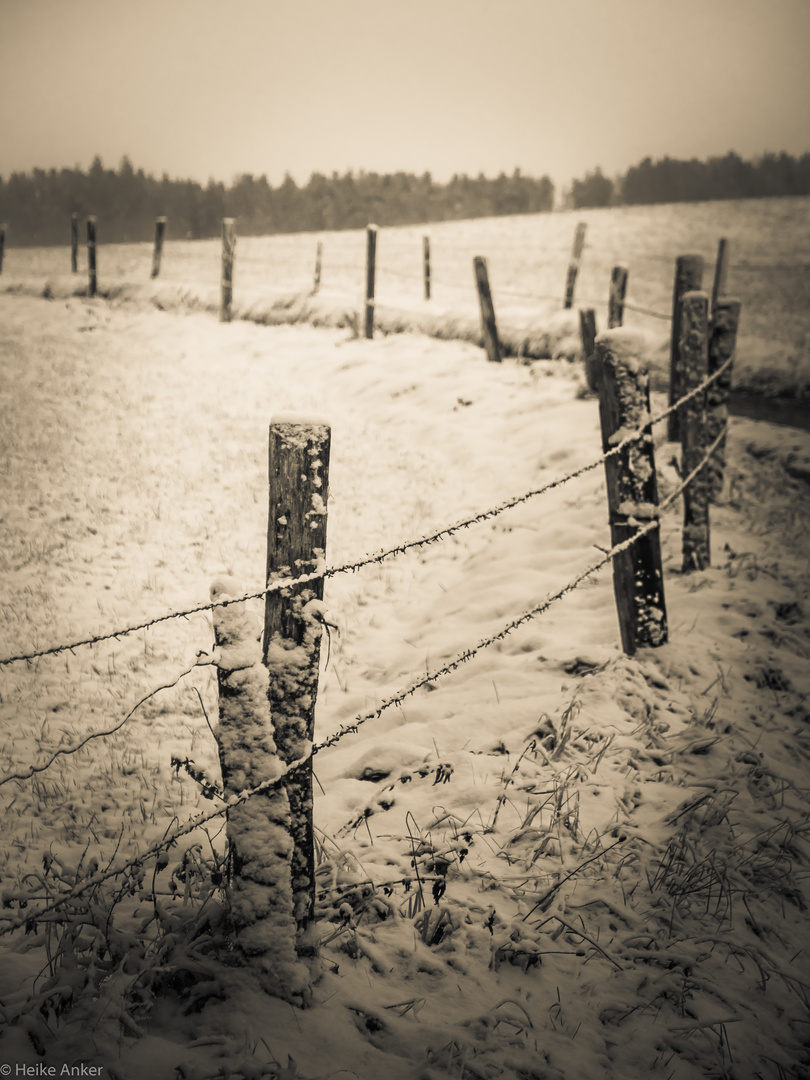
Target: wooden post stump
x=618 y=290
x=587 y=331
x=92 y=286
x=371 y=259
x=426 y=264
x=296 y=545
x=260 y=842
x=632 y=489
x=688 y=278
x=228 y=253
x=74 y=242
x=694 y=351
x=722 y=340
x=316 y=281
x=160 y=230
x=489 y=327
x=2 y=245
x=720 y=274
x=573 y=266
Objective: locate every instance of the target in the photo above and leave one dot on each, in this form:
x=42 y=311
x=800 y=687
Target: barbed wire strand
x=346 y=729
x=384 y=553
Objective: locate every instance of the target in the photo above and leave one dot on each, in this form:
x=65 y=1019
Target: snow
x=553 y=861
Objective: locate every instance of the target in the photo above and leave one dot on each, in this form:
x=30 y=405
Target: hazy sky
x=215 y=88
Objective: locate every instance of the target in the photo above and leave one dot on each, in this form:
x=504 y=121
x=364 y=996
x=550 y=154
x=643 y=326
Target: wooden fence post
x=624 y=406
x=688 y=278
x=316 y=281
x=160 y=229
x=426 y=264
x=260 y=841
x=722 y=340
x=228 y=252
x=587 y=331
x=694 y=353
x=573 y=266
x=488 y=324
x=618 y=289
x=74 y=242
x=371 y=259
x=296 y=545
x=91 y=257
x=720 y=274
x=2 y=245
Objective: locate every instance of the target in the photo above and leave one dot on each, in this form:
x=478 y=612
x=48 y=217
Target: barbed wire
x=383 y=553
x=199 y=820
x=647 y=311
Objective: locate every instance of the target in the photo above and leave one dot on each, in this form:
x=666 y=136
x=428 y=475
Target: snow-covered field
x=557 y=861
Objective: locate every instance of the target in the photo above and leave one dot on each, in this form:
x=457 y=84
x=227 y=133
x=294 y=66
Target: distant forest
x=36 y=207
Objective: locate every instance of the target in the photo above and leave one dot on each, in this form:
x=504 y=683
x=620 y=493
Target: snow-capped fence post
x=260 y=841
x=294 y=622
x=573 y=265
x=632 y=489
x=618 y=290
x=720 y=273
x=228 y=252
x=722 y=340
x=371 y=266
x=587 y=331
x=426 y=264
x=688 y=278
x=489 y=327
x=694 y=352
x=92 y=285
x=74 y=242
x=160 y=231
x=316 y=281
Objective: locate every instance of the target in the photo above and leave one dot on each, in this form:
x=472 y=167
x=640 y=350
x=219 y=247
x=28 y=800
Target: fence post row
x=694 y=354
x=228 y=252
x=293 y=623
x=371 y=258
x=260 y=839
x=74 y=242
x=722 y=340
x=426 y=264
x=91 y=257
x=489 y=327
x=573 y=266
x=160 y=229
x=632 y=488
x=688 y=278
x=618 y=291
x=587 y=331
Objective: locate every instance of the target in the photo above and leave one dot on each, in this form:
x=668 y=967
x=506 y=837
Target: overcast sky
x=215 y=88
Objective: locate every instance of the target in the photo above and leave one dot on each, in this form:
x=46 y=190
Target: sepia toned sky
x=215 y=88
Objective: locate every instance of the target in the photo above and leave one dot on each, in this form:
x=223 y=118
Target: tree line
x=671 y=180
x=37 y=206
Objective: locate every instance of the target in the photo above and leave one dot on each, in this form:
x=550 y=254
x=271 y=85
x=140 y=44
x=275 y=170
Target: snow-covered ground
x=557 y=861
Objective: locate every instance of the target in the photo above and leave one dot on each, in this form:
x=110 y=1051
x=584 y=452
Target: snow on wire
x=31 y=918
x=383 y=553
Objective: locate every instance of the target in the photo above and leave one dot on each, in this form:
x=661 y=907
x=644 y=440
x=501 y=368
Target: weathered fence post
x=722 y=340
x=228 y=252
x=371 y=260
x=91 y=257
x=160 y=229
x=573 y=266
x=720 y=273
x=74 y=242
x=632 y=489
x=426 y=264
x=260 y=841
x=488 y=325
x=618 y=289
x=587 y=331
x=2 y=245
x=694 y=353
x=296 y=545
x=316 y=281
x=688 y=278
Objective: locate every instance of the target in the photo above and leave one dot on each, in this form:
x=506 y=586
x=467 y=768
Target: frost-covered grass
x=556 y=861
